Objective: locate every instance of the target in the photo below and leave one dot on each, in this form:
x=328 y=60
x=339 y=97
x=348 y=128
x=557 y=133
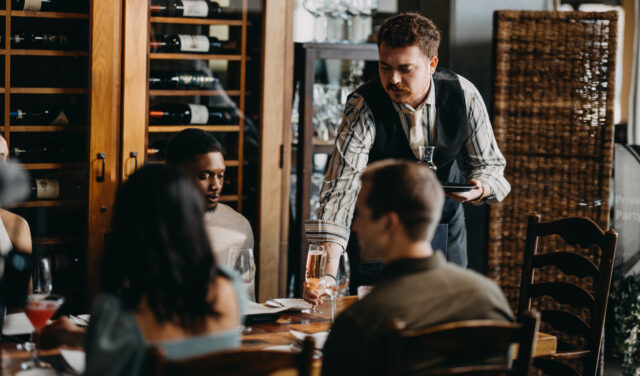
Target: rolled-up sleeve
x=342 y=181
x=483 y=159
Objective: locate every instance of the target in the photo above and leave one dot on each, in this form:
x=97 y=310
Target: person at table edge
x=412 y=103
x=417 y=286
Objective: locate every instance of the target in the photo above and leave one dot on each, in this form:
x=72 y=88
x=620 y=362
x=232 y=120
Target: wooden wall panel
x=134 y=91
x=276 y=97
x=106 y=47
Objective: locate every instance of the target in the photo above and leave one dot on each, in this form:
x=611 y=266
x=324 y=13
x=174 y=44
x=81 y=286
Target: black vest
x=450 y=128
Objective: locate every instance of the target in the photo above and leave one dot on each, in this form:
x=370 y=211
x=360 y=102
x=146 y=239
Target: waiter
x=410 y=104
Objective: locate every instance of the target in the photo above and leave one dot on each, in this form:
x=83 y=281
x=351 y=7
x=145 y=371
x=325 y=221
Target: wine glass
x=241 y=259
x=334 y=285
x=316 y=259
x=425 y=156
x=41 y=287
x=40 y=306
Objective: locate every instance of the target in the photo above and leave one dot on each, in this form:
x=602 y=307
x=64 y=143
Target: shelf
x=53 y=166
x=207 y=128
x=49 y=203
x=182 y=56
x=195 y=21
x=22 y=13
x=55 y=240
x=47 y=128
x=231 y=163
x=45 y=53
x=47 y=90
x=190 y=93
x=227 y=198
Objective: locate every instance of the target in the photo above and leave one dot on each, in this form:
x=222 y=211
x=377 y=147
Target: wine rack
x=229 y=91
x=43 y=77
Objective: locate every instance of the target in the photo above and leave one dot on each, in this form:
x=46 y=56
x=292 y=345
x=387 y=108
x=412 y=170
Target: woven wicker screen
x=553 y=120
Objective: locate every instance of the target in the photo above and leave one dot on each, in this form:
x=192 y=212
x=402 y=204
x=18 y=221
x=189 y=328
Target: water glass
x=335 y=284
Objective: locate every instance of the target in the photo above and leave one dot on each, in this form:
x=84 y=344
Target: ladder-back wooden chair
x=587 y=234
x=240 y=362
x=464 y=348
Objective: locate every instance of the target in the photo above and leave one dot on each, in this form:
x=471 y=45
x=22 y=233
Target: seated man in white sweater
x=200 y=154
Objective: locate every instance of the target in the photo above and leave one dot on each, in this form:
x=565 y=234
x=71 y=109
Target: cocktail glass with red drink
x=39 y=309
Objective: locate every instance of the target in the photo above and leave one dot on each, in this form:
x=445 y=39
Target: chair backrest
x=474 y=347
x=587 y=234
x=240 y=362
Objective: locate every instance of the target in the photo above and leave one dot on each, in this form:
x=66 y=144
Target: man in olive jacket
x=397 y=211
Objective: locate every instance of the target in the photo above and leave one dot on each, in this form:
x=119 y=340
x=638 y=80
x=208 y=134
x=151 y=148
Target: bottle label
x=199 y=114
x=32 y=5
x=19 y=114
x=194 y=43
x=195 y=8
x=47 y=189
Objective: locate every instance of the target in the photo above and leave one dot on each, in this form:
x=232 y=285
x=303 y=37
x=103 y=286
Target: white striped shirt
x=481 y=159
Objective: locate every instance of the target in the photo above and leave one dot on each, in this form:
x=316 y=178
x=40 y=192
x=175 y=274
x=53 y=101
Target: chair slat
x=566 y=322
x=570 y=263
x=564 y=293
x=580 y=231
x=552 y=367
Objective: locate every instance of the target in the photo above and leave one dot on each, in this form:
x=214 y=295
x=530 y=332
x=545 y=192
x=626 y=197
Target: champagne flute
x=316 y=259
x=425 y=156
x=334 y=285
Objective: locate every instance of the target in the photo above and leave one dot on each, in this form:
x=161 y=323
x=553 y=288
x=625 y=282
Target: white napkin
x=254 y=308
x=17 y=324
x=283 y=348
x=289 y=304
x=319 y=337
x=75 y=359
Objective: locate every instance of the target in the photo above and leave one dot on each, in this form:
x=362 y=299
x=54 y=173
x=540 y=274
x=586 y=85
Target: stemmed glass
x=425 y=156
x=241 y=259
x=334 y=285
x=41 y=286
x=316 y=259
x=317 y=10
x=40 y=306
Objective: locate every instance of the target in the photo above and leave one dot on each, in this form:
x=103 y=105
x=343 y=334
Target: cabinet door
x=49 y=125
x=194 y=66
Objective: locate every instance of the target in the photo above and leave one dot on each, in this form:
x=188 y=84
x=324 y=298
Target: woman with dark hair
x=160 y=283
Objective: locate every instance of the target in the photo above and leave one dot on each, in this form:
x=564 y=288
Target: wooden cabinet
x=306 y=55
x=55 y=104
x=254 y=79
x=107 y=80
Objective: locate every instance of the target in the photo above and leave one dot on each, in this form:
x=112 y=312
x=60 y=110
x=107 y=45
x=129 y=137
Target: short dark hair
x=158 y=249
x=409 y=189
x=186 y=145
x=408 y=29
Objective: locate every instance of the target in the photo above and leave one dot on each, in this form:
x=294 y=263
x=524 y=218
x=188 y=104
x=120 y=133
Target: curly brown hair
x=408 y=29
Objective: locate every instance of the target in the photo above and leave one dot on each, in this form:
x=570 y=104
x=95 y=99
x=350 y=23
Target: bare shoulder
x=18 y=230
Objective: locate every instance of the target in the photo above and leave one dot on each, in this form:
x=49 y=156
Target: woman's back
x=118 y=339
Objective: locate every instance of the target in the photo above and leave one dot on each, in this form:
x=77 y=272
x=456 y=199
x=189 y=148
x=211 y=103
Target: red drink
x=40 y=311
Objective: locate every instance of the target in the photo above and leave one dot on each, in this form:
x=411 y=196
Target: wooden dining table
x=258 y=336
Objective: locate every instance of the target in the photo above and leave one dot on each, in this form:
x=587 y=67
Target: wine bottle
x=182 y=114
x=41 y=5
x=45 y=189
x=182 y=80
x=41 y=116
x=193 y=43
x=42 y=41
x=186 y=8
x=46 y=153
